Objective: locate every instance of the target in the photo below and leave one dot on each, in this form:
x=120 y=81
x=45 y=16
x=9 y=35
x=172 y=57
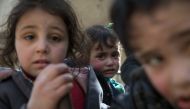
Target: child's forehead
x=101 y=46
x=39 y=14
x=163 y=23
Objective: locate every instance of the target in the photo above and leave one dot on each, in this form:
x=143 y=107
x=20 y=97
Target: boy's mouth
x=109 y=71
x=183 y=103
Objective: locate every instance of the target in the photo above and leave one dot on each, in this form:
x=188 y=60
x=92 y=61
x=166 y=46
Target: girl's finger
x=60 y=80
x=64 y=89
x=52 y=71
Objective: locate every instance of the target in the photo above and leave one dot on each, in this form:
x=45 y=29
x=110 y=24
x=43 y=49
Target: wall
x=92 y=11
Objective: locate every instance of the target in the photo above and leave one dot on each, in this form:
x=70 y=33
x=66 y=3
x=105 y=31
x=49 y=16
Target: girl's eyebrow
x=58 y=28
x=52 y=27
x=28 y=27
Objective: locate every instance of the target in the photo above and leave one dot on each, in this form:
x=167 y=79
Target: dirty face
x=105 y=59
x=161 y=41
x=41 y=39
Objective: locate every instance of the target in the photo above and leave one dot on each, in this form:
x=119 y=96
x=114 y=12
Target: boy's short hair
x=121 y=12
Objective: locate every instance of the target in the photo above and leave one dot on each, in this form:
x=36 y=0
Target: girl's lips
x=41 y=63
x=184 y=103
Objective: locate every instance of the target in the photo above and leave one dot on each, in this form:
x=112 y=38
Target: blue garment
x=116 y=87
x=110 y=87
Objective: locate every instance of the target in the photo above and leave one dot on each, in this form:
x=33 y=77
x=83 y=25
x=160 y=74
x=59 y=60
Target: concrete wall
x=5 y=7
x=92 y=11
x=89 y=12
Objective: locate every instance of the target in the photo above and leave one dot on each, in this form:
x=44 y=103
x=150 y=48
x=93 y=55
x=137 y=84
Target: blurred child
x=40 y=35
x=104 y=58
x=158 y=33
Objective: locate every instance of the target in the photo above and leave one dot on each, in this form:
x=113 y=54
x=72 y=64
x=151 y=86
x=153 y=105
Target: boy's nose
x=180 y=74
x=110 y=61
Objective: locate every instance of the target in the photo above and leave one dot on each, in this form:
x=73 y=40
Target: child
x=158 y=33
x=40 y=35
x=104 y=58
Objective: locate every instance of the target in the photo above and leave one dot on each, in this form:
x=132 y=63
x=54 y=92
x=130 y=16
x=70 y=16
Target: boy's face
x=41 y=39
x=161 y=41
x=105 y=60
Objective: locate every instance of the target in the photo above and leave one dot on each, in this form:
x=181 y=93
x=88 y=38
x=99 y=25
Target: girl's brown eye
x=55 y=38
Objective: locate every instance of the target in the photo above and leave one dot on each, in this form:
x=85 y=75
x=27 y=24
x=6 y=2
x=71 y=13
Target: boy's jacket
x=141 y=95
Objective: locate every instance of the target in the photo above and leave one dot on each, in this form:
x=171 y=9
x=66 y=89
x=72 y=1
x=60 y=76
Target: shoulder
x=6 y=84
x=5 y=73
x=6 y=81
x=123 y=102
x=6 y=88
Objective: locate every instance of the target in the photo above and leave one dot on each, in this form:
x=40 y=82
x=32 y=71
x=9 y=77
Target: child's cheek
x=97 y=65
x=161 y=82
x=116 y=63
x=163 y=88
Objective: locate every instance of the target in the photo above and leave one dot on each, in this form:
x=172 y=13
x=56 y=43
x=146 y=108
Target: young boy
x=104 y=58
x=158 y=33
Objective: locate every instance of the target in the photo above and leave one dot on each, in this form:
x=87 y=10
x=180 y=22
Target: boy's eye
x=101 y=56
x=153 y=60
x=186 y=47
x=29 y=37
x=115 y=54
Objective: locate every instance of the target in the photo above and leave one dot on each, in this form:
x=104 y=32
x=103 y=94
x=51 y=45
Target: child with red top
x=40 y=35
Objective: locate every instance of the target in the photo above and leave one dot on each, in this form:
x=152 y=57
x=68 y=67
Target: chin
x=108 y=76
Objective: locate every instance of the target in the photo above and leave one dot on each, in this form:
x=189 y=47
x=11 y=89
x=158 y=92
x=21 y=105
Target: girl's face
x=41 y=39
x=161 y=41
x=105 y=60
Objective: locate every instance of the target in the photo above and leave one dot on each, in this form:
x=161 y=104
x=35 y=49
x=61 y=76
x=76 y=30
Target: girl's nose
x=42 y=46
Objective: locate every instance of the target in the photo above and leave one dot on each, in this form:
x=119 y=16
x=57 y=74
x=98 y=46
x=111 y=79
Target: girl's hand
x=54 y=82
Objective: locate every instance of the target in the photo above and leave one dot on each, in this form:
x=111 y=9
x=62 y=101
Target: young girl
x=104 y=58
x=158 y=33
x=40 y=35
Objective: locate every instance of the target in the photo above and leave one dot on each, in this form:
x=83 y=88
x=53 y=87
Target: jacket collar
x=24 y=84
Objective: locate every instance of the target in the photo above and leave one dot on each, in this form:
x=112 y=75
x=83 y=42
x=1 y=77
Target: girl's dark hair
x=55 y=7
x=121 y=12
x=102 y=35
